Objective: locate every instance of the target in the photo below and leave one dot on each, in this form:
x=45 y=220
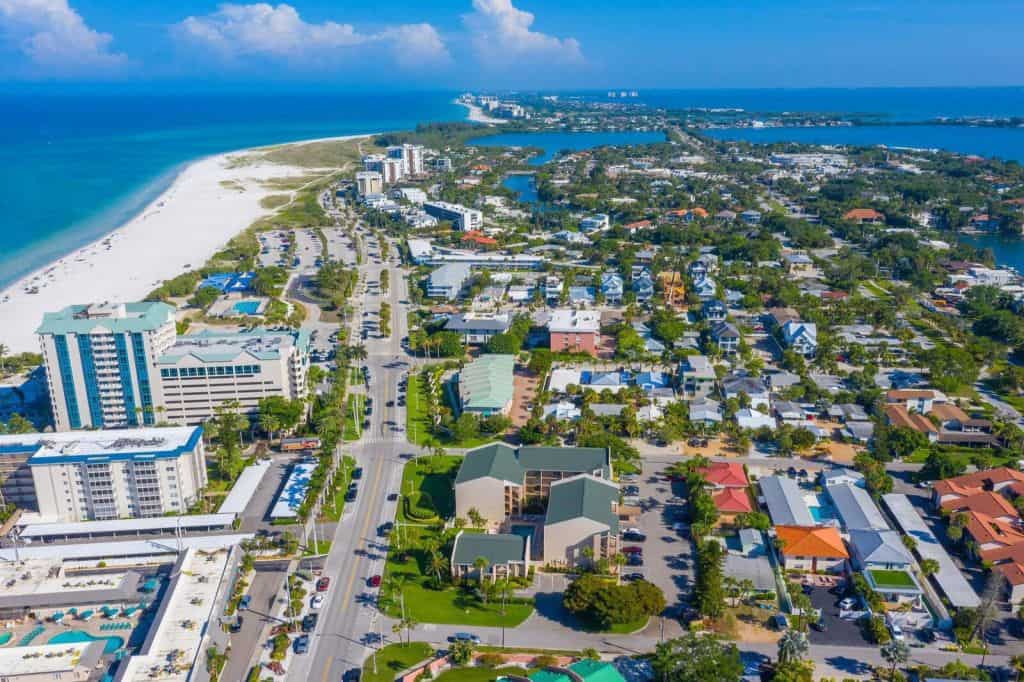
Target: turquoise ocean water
x=74 y=166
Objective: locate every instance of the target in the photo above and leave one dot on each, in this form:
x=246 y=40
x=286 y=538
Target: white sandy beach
x=179 y=230
x=477 y=115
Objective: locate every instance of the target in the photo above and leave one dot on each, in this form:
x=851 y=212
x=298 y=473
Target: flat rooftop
x=288 y=501
x=156 y=547
x=175 y=644
x=50 y=659
x=244 y=489
x=101 y=446
x=116 y=526
x=259 y=344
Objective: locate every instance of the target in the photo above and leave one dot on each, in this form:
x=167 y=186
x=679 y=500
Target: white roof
x=562 y=377
x=420 y=248
x=130 y=548
x=294 y=491
x=244 y=488
x=102 y=443
x=47 y=530
x=35 y=662
x=566 y=320
x=785 y=502
x=856 y=509
x=950 y=579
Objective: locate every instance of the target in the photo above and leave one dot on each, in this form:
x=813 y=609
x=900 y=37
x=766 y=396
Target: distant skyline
x=508 y=44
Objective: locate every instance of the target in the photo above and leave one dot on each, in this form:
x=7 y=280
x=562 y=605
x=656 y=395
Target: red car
x=374 y=581
x=323 y=584
x=633 y=550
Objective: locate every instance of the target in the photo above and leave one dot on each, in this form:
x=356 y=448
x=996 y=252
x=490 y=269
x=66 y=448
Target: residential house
x=485 y=385
x=898 y=416
x=855 y=508
x=813 y=549
x=841 y=476
x=785 y=501
x=476 y=329
x=801 y=337
x=651 y=344
x=751 y=217
x=714 y=311
x=505 y=555
x=705 y=288
x=781 y=380
x=598 y=221
x=791 y=412
x=799 y=265
x=448 y=281
x=706 y=412
x=612 y=287
x=582 y=295
x=575 y=331
x=864 y=216
x=727 y=482
x=734 y=386
x=886 y=564
x=673 y=287
x=643 y=287
x=753 y=420
x=727 y=337
x=1002 y=480
x=847 y=412
x=696 y=376
x=582 y=514
x=919 y=400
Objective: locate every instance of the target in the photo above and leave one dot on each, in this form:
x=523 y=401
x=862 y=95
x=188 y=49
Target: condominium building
x=410 y=156
x=448 y=281
x=369 y=182
x=202 y=371
x=575 y=331
x=98 y=362
x=102 y=475
x=461 y=217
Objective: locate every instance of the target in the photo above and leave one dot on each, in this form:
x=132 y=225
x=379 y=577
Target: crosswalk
x=393 y=438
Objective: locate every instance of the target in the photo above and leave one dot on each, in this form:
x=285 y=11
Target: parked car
x=384 y=529
x=236 y=624
x=317 y=601
x=819 y=625
x=357 y=473
x=632 y=549
x=778 y=622
x=392 y=497
x=847 y=604
x=244 y=602
x=323 y=584
x=301 y=645
x=634 y=536
x=352 y=675
x=309 y=622
x=634 y=560
x=464 y=637
x=632 y=577
x=897 y=632
x=373 y=581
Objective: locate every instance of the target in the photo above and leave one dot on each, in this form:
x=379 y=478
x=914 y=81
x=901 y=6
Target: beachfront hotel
x=462 y=218
x=123 y=365
x=103 y=475
x=98 y=361
x=202 y=371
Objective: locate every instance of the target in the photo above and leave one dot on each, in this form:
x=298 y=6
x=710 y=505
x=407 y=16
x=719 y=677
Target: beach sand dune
x=179 y=230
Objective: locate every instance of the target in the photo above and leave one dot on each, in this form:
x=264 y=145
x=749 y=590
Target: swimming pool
x=523 y=531
x=247 y=307
x=79 y=636
x=820 y=508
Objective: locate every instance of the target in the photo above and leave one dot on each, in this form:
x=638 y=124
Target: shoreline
x=178 y=230
x=477 y=115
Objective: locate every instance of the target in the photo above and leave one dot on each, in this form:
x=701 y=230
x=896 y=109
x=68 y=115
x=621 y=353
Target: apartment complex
x=570 y=487
x=461 y=218
x=575 y=331
x=201 y=371
x=448 y=281
x=103 y=475
x=409 y=156
x=369 y=182
x=122 y=365
x=98 y=361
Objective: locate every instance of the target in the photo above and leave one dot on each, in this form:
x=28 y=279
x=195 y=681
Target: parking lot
x=838 y=632
x=668 y=555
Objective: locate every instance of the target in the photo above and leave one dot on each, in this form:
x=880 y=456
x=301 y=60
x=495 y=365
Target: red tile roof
x=478 y=237
x=863 y=214
x=733 y=501
x=989 y=531
x=726 y=475
x=987 y=503
x=979 y=481
x=899 y=416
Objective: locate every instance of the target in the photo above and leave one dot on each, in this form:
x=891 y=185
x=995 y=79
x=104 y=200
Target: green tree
x=929 y=567
x=709 y=589
x=895 y=652
x=697 y=658
x=793 y=647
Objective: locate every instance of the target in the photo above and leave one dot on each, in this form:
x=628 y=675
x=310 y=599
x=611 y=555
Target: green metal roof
x=586 y=497
x=496 y=460
x=139 y=317
x=486 y=383
x=589 y=669
x=497 y=549
x=576 y=460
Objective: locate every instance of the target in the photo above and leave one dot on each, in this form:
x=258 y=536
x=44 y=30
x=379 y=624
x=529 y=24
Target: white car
x=632 y=531
x=847 y=604
x=317 y=601
x=897 y=632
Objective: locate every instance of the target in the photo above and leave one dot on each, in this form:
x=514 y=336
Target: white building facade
x=461 y=217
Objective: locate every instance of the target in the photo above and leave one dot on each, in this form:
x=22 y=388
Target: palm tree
x=480 y=564
x=270 y=423
x=793 y=647
x=929 y=567
x=896 y=653
x=4 y=350
x=1017 y=664
x=437 y=566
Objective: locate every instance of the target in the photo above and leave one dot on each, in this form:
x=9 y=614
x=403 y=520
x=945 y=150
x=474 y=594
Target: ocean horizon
x=75 y=166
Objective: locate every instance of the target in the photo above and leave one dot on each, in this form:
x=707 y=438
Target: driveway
x=838 y=632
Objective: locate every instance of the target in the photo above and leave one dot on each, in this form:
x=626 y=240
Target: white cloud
x=501 y=35
x=55 y=38
x=279 y=32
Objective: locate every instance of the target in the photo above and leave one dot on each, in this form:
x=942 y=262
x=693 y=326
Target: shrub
x=420 y=506
x=490 y=660
x=544 y=661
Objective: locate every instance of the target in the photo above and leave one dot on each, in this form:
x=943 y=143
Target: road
x=349 y=614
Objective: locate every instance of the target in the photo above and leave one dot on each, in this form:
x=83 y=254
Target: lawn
x=884 y=578
x=963 y=456
x=417 y=422
x=427 y=481
x=354 y=422
x=333 y=512
x=479 y=674
x=393 y=659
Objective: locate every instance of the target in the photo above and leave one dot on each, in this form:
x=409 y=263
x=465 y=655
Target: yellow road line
x=361 y=542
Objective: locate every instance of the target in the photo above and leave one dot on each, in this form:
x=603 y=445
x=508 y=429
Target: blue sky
x=515 y=43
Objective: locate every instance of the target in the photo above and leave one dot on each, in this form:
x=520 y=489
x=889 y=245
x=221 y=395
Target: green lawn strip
x=393 y=659
x=479 y=674
x=322 y=547
x=884 y=578
x=417 y=423
x=353 y=423
x=334 y=512
x=434 y=476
